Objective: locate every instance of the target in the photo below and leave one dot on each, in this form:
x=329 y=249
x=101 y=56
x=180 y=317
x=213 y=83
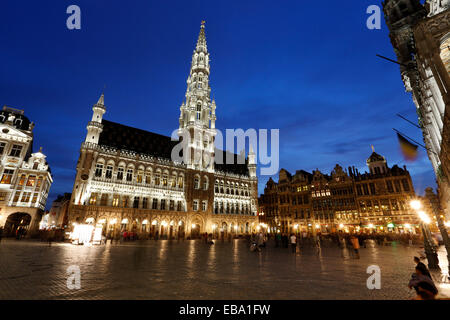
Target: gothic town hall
x=126 y=179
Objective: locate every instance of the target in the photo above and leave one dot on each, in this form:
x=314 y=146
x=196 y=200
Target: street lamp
x=430 y=250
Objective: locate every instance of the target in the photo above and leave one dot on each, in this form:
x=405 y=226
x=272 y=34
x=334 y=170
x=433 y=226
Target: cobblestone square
x=194 y=270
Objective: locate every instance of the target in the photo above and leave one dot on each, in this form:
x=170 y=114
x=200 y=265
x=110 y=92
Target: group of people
x=422 y=282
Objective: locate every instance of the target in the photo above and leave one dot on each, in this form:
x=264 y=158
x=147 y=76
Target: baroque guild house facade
x=127 y=179
x=25 y=176
x=345 y=200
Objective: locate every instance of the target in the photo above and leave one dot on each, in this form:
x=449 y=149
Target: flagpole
x=415 y=125
x=404 y=135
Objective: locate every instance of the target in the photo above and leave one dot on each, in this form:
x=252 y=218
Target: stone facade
x=25 y=176
x=420 y=35
x=345 y=200
x=127 y=179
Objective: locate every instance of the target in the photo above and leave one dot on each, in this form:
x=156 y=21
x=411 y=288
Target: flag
x=408 y=149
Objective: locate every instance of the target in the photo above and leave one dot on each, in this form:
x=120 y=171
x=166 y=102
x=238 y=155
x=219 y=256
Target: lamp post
x=437 y=212
x=430 y=250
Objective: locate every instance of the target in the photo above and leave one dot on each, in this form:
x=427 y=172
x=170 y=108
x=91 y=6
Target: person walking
x=355 y=242
x=293 y=243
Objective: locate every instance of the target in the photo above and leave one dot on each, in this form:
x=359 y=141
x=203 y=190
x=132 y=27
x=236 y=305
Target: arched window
x=158 y=178
x=130 y=174
x=173 y=183
x=120 y=172
x=205 y=183
x=109 y=170
x=196 y=182
x=216 y=186
x=99 y=169
x=140 y=176
x=148 y=176
x=164 y=178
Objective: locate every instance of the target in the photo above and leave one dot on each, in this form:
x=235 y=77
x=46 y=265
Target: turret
x=376 y=163
x=95 y=127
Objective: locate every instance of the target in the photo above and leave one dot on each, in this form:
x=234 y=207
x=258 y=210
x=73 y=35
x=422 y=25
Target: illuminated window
x=31 y=181
x=125 y=202
x=180 y=182
x=38 y=184
x=157 y=179
x=164 y=180
x=35 y=197
x=26 y=196
x=148 y=178
x=173 y=182
x=115 y=202
x=22 y=180
x=7 y=176
x=93 y=199
x=139 y=177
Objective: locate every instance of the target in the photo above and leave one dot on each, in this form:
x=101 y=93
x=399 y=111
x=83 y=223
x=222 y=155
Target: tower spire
x=201 y=41
x=197 y=112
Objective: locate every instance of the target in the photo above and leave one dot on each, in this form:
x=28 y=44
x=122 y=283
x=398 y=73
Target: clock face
x=84 y=177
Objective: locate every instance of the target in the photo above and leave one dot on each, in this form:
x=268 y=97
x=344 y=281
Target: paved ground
x=193 y=270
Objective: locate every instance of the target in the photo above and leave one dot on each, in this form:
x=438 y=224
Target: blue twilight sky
x=306 y=67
